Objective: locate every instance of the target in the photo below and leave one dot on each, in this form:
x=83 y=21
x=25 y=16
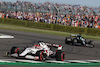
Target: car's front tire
x=91 y=43
x=41 y=55
x=14 y=50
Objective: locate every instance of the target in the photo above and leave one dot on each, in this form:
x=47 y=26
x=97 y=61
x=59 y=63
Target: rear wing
x=54 y=45
x=73 y=35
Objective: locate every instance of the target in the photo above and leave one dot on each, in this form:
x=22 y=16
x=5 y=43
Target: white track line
x=7 y=61
x=77 y=61
x=29 y=61
x=48 y=61
x=98 y=61
x=54 y=61
x=6 y=36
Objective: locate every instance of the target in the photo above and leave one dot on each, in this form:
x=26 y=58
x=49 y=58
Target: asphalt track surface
x=28 y=38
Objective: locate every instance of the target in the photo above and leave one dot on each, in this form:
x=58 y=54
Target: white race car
x=40 y=51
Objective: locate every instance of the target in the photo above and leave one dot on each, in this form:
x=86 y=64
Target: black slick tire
x=60 y=55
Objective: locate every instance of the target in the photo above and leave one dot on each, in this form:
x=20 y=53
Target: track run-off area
x=74 y=54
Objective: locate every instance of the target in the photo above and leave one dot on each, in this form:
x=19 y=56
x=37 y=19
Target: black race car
x=78 y=40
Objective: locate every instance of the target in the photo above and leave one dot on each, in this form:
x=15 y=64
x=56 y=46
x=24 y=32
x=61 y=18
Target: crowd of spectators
x=52 y=13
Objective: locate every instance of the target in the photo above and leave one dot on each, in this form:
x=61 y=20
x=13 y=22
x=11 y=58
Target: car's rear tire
x=14 y=50
x=68 y=40
x=60 y=55
x=74 y=42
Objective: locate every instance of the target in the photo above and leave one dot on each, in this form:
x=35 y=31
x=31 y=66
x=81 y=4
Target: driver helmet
x=36 y=46
x=41 y=44
x=79 y=35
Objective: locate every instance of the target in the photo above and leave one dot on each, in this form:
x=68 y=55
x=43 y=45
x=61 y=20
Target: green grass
x=51 y=64
x=58 y=33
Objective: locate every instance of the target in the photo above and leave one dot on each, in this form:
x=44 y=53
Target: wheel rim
x=17 y=50
x=41 y=56
x=92 y=44
x=62 y=56
x=75 y=41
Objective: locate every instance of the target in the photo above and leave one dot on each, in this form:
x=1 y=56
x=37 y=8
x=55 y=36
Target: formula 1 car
x=40 y=51
x=78 y=40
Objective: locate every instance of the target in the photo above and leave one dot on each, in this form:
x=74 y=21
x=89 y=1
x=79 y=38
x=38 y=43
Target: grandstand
x=52 y=13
